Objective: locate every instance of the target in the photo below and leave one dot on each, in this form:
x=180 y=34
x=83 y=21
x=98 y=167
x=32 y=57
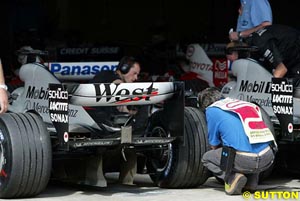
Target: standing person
x=253 y=15
x=239 y=152
x=279 y=45
x=3 y=91
x=127 y=71
x=234 y=50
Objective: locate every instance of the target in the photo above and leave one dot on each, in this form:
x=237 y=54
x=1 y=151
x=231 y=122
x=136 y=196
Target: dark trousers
x=248 y=165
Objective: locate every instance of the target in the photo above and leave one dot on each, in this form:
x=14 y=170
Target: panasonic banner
x=79 y=70
x=282 y=105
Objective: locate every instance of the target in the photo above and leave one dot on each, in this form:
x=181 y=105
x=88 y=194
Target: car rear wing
x=170 y=94
x=109 y=94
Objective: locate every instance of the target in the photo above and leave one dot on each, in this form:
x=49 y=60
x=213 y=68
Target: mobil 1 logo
x=282 y=105
x=58 y=111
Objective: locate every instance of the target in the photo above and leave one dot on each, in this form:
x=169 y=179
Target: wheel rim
x=162 y=157
x=2 y=159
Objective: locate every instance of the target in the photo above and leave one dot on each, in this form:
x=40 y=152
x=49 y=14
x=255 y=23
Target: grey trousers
x=248 y=165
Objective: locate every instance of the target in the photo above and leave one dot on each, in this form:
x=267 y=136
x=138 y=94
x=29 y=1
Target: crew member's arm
x=214 y=138
x=3 y=92
x=235 y=36
x=117 y=81
x=280 y=70
x=272 y=54
x=124 y=108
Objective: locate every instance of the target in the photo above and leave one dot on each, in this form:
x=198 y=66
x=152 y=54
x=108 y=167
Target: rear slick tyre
x=180 y=164
x=25 y=155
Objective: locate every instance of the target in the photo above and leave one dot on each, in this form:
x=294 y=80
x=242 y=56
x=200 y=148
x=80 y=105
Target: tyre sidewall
x=8 y=174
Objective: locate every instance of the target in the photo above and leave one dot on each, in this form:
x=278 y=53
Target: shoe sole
x=239 y=184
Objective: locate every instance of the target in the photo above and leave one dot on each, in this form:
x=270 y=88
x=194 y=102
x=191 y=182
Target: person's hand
x=3 y=101
x=123 y=108
x=233 y=36
x=133 y=111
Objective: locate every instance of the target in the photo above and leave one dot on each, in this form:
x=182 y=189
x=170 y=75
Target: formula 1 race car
x=279 y=99
x=49 y=133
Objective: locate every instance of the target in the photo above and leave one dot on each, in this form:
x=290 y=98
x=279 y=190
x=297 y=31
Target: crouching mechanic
x=127 y=71
x=242 y=145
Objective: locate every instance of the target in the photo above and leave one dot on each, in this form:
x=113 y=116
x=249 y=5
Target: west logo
x=113 y=93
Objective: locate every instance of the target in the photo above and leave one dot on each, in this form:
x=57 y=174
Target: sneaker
x=249 y=189
x=252 y=183
x=236 y=184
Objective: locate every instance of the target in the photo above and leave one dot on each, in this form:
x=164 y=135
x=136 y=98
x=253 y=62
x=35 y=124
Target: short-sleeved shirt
x=254 y=12
x=225 y=128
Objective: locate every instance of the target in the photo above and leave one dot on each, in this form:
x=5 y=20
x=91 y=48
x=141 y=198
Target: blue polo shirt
x=225 y=127
x=254 y=12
